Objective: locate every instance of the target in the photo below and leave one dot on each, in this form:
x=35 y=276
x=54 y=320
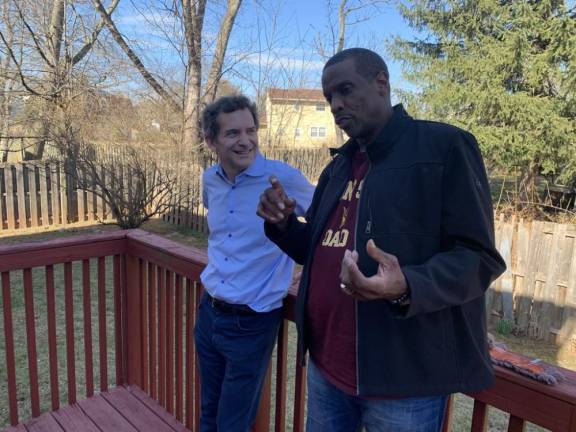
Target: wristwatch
x=403 y=300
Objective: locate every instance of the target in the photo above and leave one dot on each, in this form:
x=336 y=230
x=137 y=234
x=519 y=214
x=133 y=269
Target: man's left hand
x=388 y=283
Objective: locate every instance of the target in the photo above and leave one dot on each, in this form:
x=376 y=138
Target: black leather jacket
x=425 y=199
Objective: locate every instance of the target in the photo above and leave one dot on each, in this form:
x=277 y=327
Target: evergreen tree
x=504 y=69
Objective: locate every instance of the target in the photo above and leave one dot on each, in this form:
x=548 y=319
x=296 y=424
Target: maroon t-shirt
x=331 y=313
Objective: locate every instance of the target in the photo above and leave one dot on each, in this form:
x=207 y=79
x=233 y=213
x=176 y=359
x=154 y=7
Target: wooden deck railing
x=145 y=290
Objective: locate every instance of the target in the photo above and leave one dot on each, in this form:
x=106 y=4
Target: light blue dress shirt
x=244 y=267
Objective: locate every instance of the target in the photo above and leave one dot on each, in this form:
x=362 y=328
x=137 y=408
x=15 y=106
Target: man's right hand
x=275 y=206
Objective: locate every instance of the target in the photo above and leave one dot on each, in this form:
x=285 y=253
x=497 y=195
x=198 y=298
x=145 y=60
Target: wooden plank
x=2 y=194
x=568 y=329
x=87 y=309
x=179 y=349
x=17 y=428
x=299 y=394
x=90 y=213
x=196 y=377
x=152 y=330
x=80 y=196
x=104 y=415
x=21 y=196
x=54 y=193
x=281 y=377
x=506 y=280
x=9 y=187
x=479 y=417
x=524 y=301
x=52 y=339
x=118 y=341
x=516 y=424
x=43 y=179
x=73 y=419
x=31 y=343
x=190 y=316
x=57 y=251
x=64 y=197
x=547 y=297
x=102 y=320
x=69 y=323
x=144 y=328
x=44 y=423
x=100 y=205
x=34 y=217
x=262 y=423
x=154 y=406
x=522 y=251
x=9 y=348
x=161 y=336
x=139 y=414
x=170 y=342
x=134 y=325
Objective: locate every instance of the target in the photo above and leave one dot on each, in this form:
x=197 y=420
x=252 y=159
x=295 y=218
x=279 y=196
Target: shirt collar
x=256 y=169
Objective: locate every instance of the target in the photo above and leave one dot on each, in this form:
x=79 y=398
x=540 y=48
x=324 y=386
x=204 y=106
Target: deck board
x=121 y=409
x=72 y=418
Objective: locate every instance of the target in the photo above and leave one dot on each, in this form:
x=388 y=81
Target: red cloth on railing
x=532 y=368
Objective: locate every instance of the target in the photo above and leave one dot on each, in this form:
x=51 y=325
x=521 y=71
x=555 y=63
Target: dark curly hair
x=226 y=104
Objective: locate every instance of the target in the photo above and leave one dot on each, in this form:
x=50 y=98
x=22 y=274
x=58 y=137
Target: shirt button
x=226 y=259
x=229 y=235
x=233 y=187
x=231 y=211
x=222 y=281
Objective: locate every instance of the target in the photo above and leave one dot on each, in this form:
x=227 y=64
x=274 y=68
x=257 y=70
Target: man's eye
x=346 y=89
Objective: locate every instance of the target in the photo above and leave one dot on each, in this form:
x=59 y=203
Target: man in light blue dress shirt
x=247 y=275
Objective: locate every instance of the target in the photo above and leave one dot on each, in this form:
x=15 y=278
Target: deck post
x=133 y=320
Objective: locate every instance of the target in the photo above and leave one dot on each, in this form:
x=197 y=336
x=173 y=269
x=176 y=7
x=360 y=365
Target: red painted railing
x=140 y=325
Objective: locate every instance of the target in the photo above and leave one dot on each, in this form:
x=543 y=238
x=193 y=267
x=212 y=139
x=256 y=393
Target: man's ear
x=383 y=83
x=210 y=143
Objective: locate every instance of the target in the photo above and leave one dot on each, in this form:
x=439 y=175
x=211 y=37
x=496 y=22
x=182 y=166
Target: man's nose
x=244 y=138
x=335 y=104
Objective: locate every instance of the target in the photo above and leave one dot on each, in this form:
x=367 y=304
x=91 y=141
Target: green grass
x=463 y=405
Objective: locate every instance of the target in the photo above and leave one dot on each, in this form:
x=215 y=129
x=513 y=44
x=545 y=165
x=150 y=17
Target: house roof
x=300 y=94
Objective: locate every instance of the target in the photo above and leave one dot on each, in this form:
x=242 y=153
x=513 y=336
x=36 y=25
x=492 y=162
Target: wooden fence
x=538 y=290
x=38 y=194
x=190 y=212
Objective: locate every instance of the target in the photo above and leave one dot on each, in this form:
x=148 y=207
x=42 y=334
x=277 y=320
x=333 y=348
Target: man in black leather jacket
x=398 y=250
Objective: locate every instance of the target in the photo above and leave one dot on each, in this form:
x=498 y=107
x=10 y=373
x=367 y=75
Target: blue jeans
x=234 y=352
x=330 y=409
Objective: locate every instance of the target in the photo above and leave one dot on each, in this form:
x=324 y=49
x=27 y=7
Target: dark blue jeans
x=234 y=352
x=330 y=409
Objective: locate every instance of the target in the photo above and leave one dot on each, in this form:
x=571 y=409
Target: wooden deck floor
x=120 y=409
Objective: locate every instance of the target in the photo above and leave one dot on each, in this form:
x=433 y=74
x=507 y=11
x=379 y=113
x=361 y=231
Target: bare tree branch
x=156 y=86
x=90 y=43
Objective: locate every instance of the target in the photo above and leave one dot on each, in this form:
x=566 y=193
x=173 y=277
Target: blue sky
x=274 y=42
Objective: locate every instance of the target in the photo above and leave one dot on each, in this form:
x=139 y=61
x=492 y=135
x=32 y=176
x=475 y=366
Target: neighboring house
x=298 y=118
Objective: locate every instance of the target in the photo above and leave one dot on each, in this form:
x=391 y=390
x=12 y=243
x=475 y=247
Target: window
x=320 y=107
x=318 y=132
x=297 y=132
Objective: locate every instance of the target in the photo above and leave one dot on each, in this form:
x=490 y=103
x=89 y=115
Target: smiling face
x=236 y=142
x=361 y=106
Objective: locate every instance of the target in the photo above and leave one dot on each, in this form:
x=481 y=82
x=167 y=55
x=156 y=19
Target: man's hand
x=388 y=283
x=275 y=206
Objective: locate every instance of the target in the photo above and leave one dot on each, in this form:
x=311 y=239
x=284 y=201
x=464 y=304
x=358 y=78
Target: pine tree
x=503 y=69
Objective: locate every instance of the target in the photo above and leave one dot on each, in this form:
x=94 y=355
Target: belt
x=229 y=308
